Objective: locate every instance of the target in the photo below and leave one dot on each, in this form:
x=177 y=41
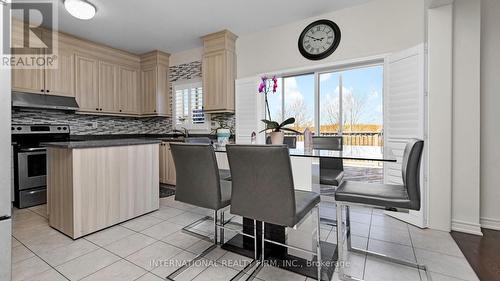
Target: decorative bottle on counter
x=253 y=138
x=307 y=139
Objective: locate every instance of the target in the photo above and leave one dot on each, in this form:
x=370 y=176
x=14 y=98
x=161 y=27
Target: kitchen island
x=94 y=184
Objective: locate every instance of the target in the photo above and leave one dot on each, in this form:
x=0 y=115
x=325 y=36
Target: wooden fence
x=356 y=138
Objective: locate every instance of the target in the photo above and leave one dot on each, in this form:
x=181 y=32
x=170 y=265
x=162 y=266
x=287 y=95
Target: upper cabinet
x=60 y=80
x=155 y=91
x=86 y=77
x=219 y=71
x=56 y=80
x=103 y=79
x=128 y=87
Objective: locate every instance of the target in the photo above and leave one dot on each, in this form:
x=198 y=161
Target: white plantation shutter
x=404 y=116
x=249 y=110
x=197 y=105
x=188 y=106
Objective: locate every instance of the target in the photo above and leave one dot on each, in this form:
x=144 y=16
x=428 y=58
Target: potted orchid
x=275 y=129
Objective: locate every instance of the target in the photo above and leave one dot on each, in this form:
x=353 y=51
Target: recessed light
x=80 y=9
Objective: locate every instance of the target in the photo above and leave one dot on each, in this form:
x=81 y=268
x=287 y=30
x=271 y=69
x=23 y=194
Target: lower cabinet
x=167 y=167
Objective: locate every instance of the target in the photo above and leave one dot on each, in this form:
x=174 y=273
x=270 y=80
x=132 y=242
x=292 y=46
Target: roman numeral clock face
x=319 y=39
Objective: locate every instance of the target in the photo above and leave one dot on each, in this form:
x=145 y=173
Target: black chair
x=331 y=171
x=263 y=190
x=224 y=174
x=289 y=141
x=405 y=197
x=198 y=183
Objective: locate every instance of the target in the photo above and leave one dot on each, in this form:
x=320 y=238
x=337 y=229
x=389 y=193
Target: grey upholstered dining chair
x=198 y=183
x=263 y=190
x=289 y=141
x=404 y=197
x=331 y=171
x=223 y=173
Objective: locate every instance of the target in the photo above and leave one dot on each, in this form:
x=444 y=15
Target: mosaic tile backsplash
x=81 y=124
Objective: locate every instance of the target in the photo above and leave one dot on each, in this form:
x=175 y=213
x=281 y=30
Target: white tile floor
x=124 y=252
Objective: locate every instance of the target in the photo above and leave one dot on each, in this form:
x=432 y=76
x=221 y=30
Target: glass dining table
x=305 y=170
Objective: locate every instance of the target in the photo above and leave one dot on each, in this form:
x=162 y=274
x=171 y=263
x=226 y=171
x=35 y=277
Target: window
x=351 y=105
x=345 y=102
x=187 y=106
x=298 y=95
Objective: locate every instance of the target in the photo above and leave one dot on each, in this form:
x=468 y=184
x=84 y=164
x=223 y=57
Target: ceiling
x=139 y=26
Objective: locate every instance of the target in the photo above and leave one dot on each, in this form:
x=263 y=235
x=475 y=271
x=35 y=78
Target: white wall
x=440 y=45
x=466 y=116
x=377 y=27
x=490 y=114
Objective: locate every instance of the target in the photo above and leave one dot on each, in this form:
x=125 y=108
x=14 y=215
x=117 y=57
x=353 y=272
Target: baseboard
x=490 y=223
x=466 y=227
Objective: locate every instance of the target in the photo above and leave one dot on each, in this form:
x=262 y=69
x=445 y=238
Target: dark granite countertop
x=101 y=143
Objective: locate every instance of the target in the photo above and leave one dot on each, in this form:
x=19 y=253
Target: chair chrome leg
x=215 y=227
x=221 y=229
x=255 y=240
x=254 y=261
x=183 y=268
x=340 y=248
x=340 y=244
x=318 y=245
x=348 y=227
x=263 y=242
x=187 y=229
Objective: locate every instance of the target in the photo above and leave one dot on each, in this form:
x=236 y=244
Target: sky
x=365 y=84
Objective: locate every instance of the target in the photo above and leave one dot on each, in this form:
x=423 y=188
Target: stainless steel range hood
x=28 y=100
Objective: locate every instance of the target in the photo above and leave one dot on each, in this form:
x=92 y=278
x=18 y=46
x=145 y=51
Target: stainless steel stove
x=30 y=161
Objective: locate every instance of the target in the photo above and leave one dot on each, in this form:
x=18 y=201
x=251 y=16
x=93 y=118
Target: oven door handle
x=33 y=149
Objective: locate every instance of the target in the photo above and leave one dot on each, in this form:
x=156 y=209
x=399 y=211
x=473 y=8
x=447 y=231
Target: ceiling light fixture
x=80 y=9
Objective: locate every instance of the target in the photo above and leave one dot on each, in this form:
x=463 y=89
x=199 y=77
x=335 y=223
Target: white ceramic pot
x=277 y=137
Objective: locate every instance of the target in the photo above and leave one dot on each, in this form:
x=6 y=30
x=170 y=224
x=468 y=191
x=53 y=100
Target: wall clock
x=319 y=39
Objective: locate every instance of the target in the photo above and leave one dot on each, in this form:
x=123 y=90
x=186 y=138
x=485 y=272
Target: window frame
x=188 y=124
x=317 y=73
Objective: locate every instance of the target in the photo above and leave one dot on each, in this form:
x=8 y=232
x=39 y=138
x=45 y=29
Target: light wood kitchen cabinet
x=86 y=78
x=103 y=79
x=109 y=100
x=155 y=91
x=219 y=72
x=28 y=80
x=60 y=81
x=92 y=188
x=167 y=166
x=128 y=89
x=148 y=83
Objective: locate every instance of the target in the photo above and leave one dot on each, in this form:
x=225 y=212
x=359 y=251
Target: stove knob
x=12 y=128
x=19 y=128
x=58 y=128
x=64 y=128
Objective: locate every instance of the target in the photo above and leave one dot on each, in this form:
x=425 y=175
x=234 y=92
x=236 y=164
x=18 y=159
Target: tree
x=353 y=107
x=298 y=109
